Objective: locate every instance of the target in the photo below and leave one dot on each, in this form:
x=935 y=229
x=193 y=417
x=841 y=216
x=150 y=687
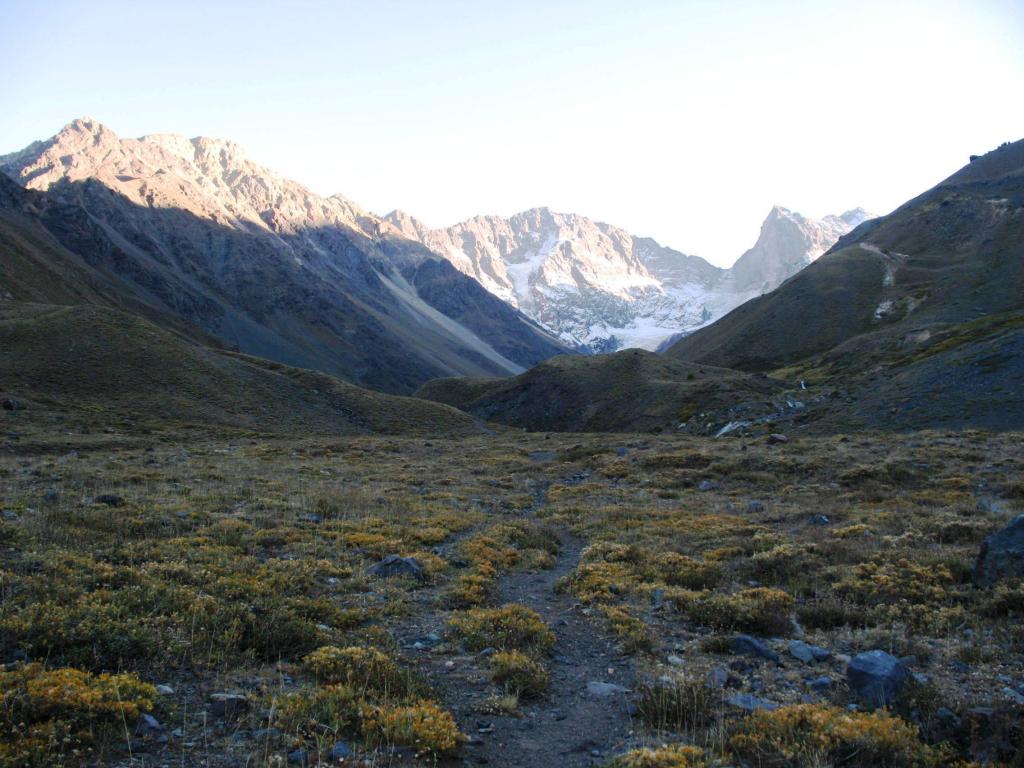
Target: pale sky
x=684 y=121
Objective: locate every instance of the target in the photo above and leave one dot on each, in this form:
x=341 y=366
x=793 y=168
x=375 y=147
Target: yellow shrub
x=423 y=726
x=601 y=581
x=670 y=756
x=888 y=582
x=634 y=633
x=364 y=669
x=519 y=673
x=48 y=715
x=810 y=735
x=760 y=609
x=70 y=692
x=511 y=627
x=335 y=707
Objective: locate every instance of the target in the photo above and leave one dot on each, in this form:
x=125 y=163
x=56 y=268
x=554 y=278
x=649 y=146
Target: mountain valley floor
x=182 y=595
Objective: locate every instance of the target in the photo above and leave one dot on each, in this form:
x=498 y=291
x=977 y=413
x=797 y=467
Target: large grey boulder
x=876 y=678
x=1001 y=555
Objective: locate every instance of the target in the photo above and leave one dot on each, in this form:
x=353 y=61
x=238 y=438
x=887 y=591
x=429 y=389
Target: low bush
x=511 y=627
x=519 y=674
x=812 y=735
x=55 y=716
x=670 y=756
x=362 y=669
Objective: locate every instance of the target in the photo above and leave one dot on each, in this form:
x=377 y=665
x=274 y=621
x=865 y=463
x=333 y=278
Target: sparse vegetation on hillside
x=221 y=584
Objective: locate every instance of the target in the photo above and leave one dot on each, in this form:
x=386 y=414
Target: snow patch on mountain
x=600 y=288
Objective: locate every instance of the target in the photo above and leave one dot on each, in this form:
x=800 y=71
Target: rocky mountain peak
x=598 y=286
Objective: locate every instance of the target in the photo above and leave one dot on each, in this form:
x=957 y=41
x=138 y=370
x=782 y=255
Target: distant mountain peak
x=596 y=285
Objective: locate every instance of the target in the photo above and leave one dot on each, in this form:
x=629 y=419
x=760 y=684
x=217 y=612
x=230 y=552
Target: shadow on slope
x=628 y=391
x=93 y=359
x=382 y=313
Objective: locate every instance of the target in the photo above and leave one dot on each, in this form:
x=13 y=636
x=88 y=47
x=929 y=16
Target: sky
x=683 y=121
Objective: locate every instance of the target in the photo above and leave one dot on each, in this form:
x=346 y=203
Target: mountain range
x=193 y=229
x=914 y=320
x=911 y=320
x=599 y=288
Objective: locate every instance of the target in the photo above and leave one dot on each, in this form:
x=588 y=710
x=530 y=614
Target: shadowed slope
x=89 y=358
x=627 y=391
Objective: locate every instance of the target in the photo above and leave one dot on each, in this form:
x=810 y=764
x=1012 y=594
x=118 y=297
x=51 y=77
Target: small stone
x=311 y=517
x=52 y=496
x=340 y=751
x=266 y=734
x=1014 y=696
x=947 y=717
x=228 y=705
x=820 y=520
x=755 y=507
x=675 y=661
x=717 y=677
x=298 y=757
x=148 y=726
x=707 y=485
x=746 y=645
x=750 y=703
x=604 y=690
x=776 y=439
x=821 y=684
x=165 y=690
x=808 y=653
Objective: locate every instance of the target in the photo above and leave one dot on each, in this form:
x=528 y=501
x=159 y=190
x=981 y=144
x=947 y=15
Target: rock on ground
x=1002 y=555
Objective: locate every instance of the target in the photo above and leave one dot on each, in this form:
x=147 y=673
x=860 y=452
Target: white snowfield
x=596 y=286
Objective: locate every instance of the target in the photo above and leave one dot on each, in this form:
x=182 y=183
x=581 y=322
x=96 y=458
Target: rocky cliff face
x=194 y=227
x=788 y=242
x=599 y=287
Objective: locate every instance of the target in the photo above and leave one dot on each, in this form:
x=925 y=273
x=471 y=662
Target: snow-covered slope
x=599 y=287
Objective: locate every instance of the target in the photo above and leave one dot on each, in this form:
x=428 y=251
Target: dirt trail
x=571 y=725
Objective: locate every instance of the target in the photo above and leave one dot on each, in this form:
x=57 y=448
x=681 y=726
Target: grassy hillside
x=947 y=257
x=90 y=358
x=632 y=390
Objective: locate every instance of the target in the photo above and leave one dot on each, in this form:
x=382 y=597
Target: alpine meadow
x=461 y=474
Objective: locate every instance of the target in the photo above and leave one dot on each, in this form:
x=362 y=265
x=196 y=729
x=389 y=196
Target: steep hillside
x=627 y=391
x=113 y=365
x=949 y=256
x=597 y=286
x=195 y=229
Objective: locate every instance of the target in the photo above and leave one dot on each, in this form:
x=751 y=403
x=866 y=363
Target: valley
x=286 y=483
x=568 y=599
